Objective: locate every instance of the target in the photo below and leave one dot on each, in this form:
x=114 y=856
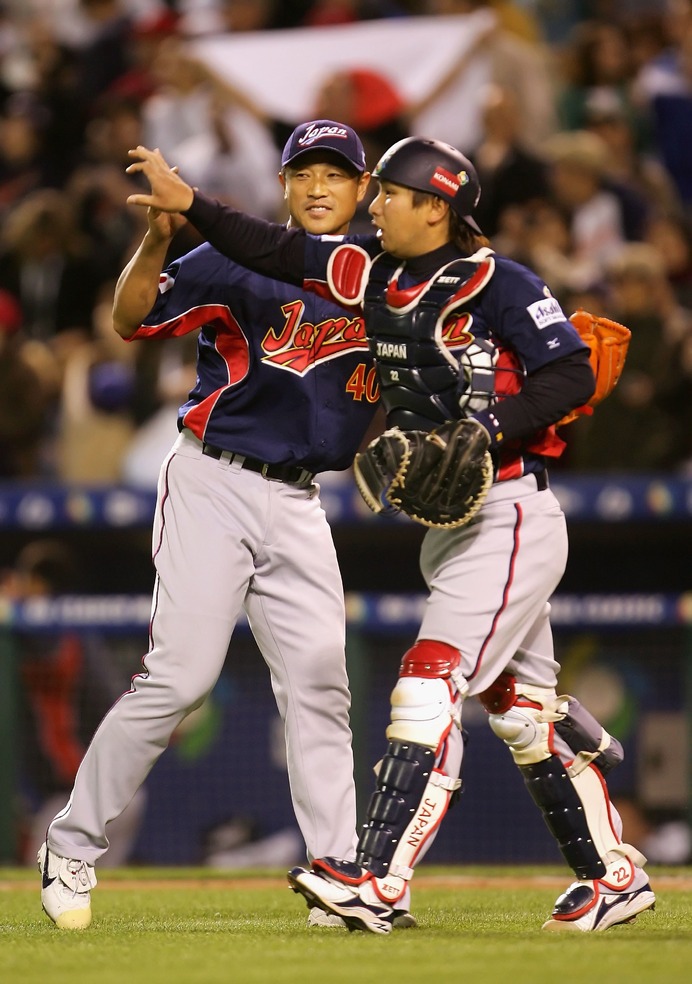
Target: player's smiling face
x=322 y=193
x=407 y=229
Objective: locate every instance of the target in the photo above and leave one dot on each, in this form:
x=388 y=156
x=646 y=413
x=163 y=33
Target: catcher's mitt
x=608 y=342
x=439 y=479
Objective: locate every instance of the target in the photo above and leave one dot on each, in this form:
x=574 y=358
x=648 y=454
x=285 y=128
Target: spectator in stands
x=503 y=55
x=646 y=423
x=54 y=95
x=21 y=152
x=540 y=237
x=95 y=422
x=663 y=69
x=105 y=55
x=173 y=372
x=671 y=234
x=369 y=102
x=99 y=186
x=137 y=83
x=578 y=162
x=647 y=39
x=671 y=109
x=28 y=386
x=637 y=176
x=597 y=60
x=510 y=176
x=46 y=265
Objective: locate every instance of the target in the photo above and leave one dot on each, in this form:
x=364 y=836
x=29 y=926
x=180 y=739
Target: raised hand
x=169 y=193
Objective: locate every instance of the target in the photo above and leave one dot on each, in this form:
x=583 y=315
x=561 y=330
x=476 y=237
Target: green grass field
x=476 y=926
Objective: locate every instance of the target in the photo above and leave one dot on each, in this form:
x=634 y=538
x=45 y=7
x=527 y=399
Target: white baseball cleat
x=403 y=919
x=340 y=899
x=324 y=920
x=589 y=907
x=65 y=889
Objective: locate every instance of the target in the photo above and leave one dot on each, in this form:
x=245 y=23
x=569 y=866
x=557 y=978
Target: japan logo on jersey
x=299 y=346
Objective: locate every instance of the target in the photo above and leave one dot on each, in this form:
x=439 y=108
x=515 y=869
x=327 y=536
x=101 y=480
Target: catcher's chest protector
x=412 y=334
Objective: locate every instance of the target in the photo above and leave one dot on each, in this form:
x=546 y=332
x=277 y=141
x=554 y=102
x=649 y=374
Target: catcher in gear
x=458 y=333
x=441 y=479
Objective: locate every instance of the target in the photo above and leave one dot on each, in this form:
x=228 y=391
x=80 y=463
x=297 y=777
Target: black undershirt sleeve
x=265 y=247
x=546 y=396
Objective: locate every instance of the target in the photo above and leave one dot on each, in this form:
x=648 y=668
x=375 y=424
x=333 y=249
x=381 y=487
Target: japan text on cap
x=325 y=135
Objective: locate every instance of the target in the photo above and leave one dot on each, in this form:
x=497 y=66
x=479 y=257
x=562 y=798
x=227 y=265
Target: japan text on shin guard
x=419 y=774
x=564 y=755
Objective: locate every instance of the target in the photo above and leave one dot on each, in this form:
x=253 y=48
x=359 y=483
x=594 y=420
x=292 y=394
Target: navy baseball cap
x=325 y=135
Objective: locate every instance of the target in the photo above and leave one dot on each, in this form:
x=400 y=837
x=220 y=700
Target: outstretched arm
x=265 y=247
x=137 y=286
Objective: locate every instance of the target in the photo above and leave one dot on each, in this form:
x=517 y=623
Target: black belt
x=290 y=474
x=542 y=482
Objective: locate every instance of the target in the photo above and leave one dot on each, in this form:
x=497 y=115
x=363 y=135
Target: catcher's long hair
x=464 y=238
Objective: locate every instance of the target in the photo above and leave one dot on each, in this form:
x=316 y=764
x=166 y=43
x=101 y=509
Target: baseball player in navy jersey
x=285 y=389
x=459 y=331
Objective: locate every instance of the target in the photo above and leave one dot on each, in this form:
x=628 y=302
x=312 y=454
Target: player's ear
x=439 y=210
x=282 y=180
x=363 y=182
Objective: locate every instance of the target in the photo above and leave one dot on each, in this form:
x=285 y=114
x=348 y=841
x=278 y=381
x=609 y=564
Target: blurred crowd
x=585 y=161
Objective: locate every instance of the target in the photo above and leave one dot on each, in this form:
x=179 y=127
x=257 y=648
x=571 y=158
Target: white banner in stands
x=283 y=70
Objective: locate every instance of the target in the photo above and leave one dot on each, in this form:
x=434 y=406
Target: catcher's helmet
x=435 y=167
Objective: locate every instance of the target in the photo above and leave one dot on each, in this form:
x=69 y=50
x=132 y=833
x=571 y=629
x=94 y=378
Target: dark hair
x=464 y=238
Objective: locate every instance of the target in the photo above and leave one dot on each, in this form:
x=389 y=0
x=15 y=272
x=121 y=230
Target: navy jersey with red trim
x=283 y=375
x=490 y=297
x=515 y=306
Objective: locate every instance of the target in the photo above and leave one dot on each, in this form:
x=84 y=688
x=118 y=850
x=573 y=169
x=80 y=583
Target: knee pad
x=425 y=701
x=422 y=712
x=537 y=719
x=526 y=727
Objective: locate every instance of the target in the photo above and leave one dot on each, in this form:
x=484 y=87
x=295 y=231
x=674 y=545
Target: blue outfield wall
x=226 y=764
x=40 y=507
x=626 y=654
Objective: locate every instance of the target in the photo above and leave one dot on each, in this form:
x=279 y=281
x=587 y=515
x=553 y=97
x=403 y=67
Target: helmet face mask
x=434 y=167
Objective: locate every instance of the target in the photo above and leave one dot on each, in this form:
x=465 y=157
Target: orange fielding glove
x=608 y=342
